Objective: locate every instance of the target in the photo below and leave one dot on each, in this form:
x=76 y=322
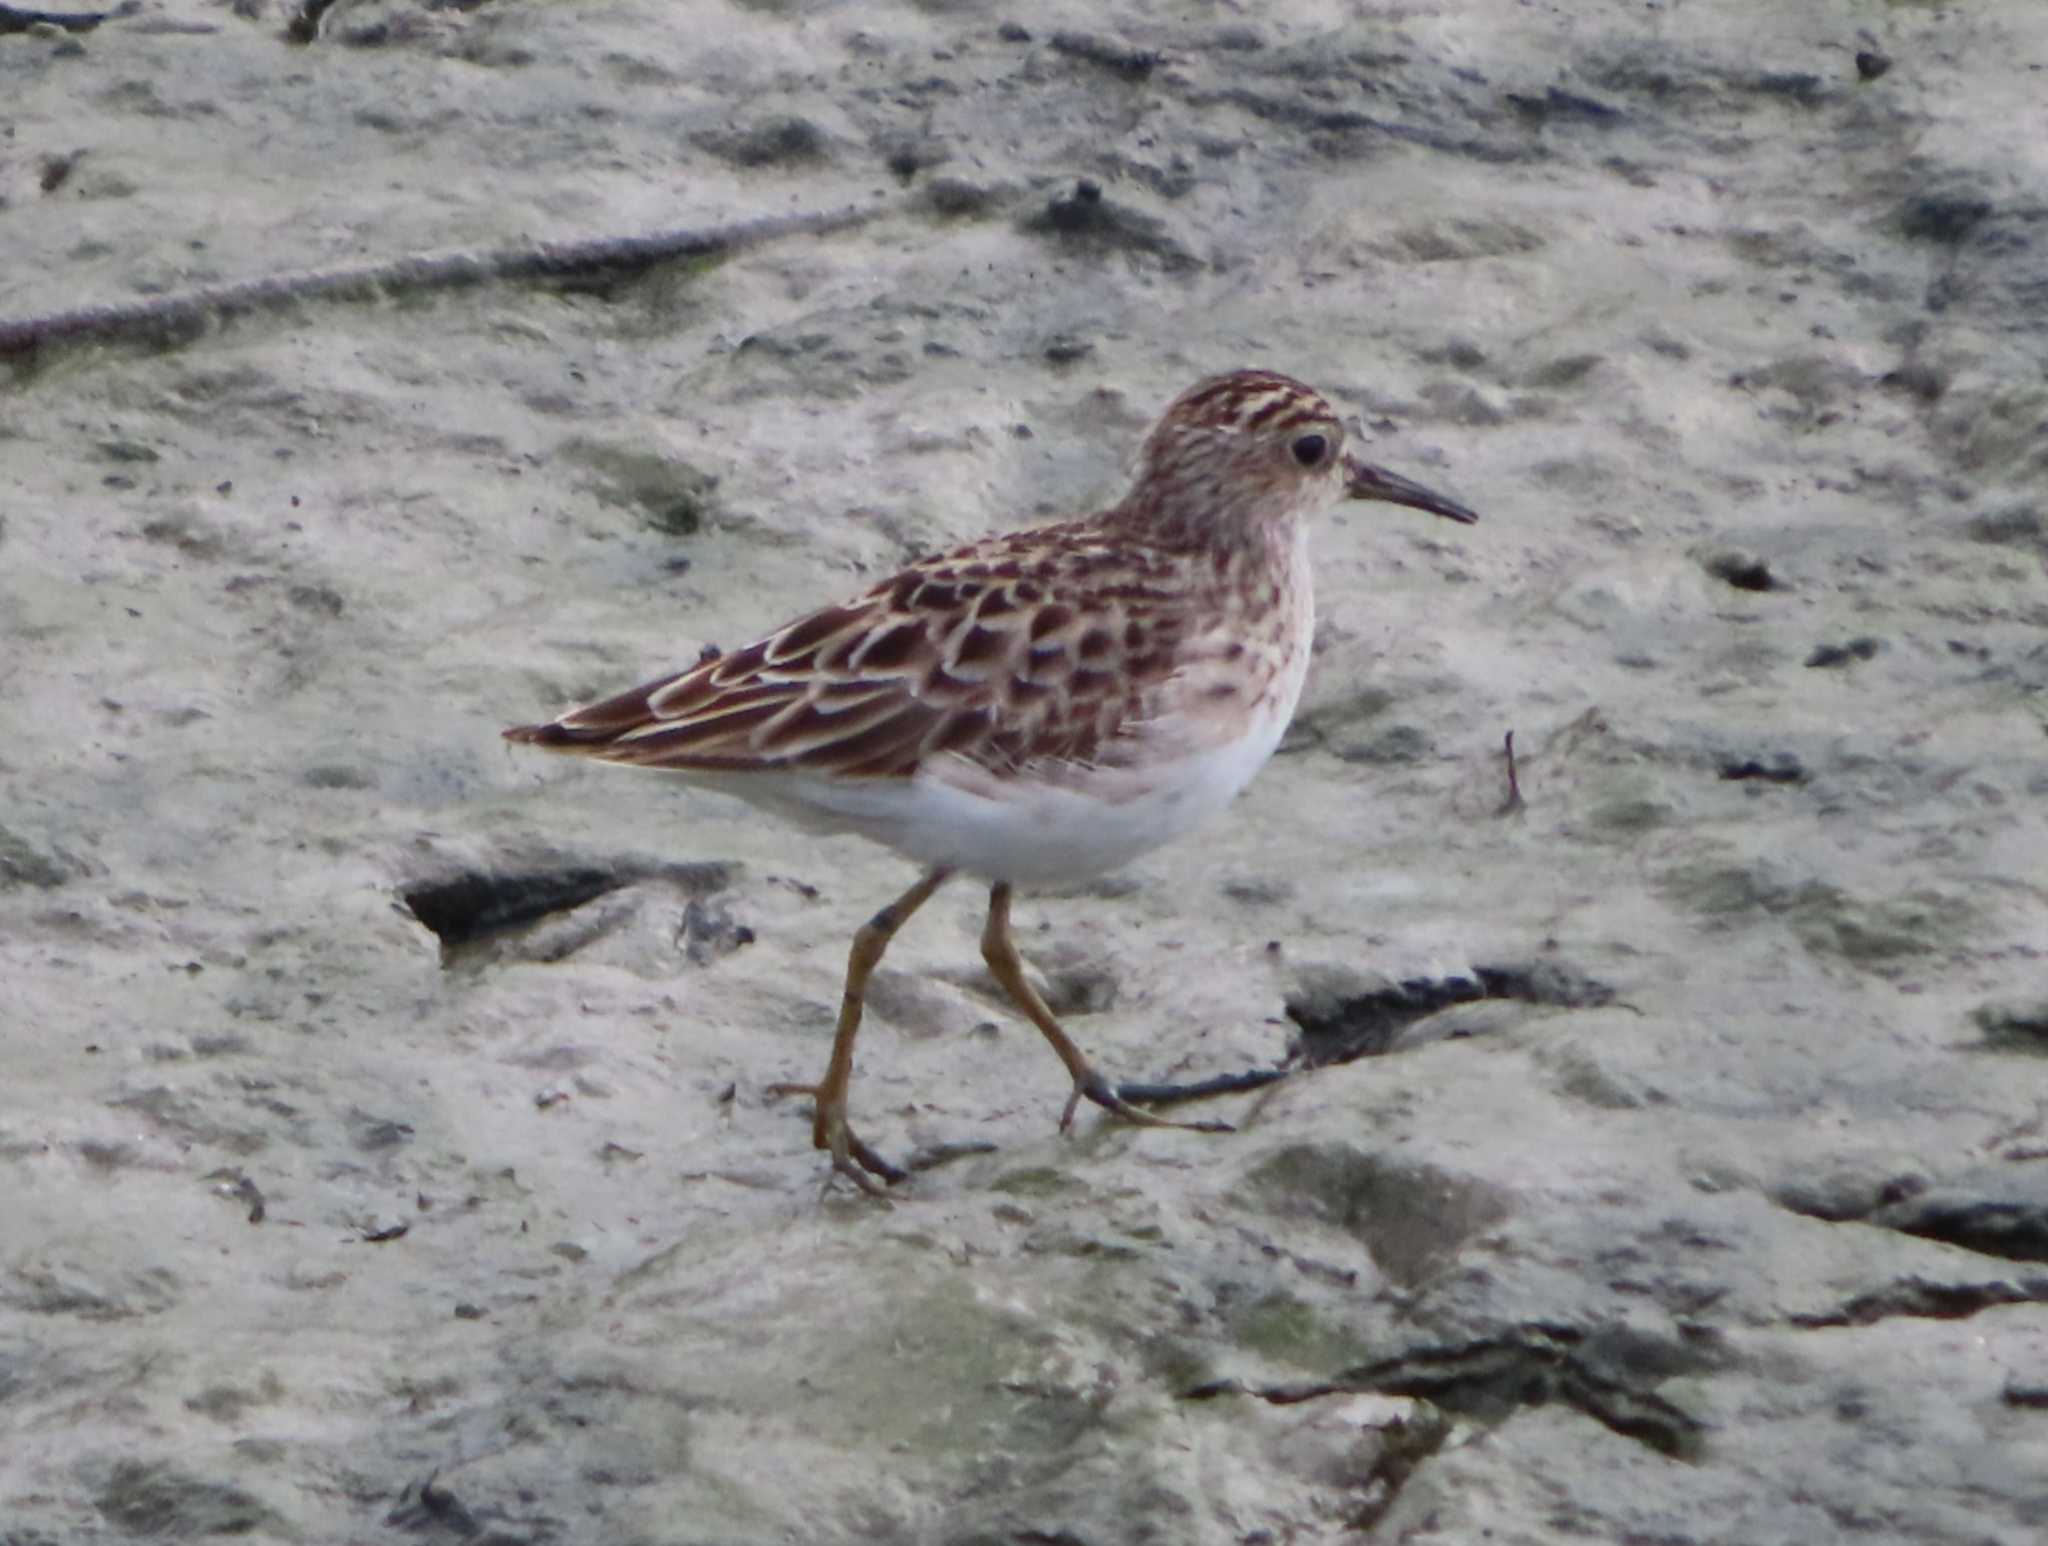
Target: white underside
x=1043 y=833
x=1074 y=824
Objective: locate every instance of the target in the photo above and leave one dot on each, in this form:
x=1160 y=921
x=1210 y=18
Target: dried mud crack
x=1341 y=1027
x=1489 y=1380
x=472 y=906
x=1918 y=1299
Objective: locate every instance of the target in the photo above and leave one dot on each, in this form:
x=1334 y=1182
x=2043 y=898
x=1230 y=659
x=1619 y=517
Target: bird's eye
x=1309 y=450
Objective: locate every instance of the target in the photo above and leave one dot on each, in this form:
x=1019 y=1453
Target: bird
x=1040 y=706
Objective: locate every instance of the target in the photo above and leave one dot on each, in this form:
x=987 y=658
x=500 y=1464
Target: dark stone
x=1776 y=768
x=1827 y=655
x=1944 y=218
x=468 y=907
x=1915 y=380
x=1558 y=104
x=1801 y=87
x=1744 y=571
x=1132 y=64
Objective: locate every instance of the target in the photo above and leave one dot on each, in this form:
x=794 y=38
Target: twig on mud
x=1514 y=801
x=15 y=18
x=174 y=319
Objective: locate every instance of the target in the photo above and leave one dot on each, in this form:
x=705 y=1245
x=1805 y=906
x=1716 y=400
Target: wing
x=1040 y=645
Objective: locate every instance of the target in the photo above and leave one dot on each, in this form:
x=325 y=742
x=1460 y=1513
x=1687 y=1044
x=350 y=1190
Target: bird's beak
x=1362 y=480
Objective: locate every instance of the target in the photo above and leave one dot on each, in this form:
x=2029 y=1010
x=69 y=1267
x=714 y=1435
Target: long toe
x=1092 y=1086
x=850 y=1157
x=862 y=1164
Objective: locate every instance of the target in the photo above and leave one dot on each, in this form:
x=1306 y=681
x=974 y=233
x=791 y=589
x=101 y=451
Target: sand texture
x=386 y=1151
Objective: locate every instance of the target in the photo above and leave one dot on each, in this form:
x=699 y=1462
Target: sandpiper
x=1039 y=706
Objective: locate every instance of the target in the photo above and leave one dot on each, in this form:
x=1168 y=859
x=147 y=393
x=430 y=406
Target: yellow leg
x=1007 y=967
x=829 y=1130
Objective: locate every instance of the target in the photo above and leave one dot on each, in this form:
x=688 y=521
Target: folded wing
x=1006 y=652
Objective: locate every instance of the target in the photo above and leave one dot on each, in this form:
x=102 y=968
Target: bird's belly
x=1076 y=823
x=1069 y=824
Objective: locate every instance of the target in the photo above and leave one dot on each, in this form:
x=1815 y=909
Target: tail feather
x=597 y=724
x=556 y=734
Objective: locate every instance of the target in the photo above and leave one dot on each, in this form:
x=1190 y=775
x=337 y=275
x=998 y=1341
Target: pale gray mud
x=1671 y=1169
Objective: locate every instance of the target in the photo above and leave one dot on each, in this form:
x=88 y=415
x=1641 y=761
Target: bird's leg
x=829 y=1130
x=1007 y=967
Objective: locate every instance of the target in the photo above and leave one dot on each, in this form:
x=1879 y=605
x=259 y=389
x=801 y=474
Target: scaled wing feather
x=996 y=652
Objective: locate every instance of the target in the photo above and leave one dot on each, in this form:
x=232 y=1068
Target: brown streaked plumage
x=1040 y=644
x=1041 y=705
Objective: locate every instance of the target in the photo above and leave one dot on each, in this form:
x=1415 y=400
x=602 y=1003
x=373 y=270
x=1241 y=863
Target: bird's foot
x=831 y=1132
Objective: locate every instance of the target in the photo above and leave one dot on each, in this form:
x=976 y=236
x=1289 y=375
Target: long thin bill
x=1365 y=481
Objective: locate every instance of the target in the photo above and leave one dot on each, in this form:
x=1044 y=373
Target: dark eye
x=1310 y=450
